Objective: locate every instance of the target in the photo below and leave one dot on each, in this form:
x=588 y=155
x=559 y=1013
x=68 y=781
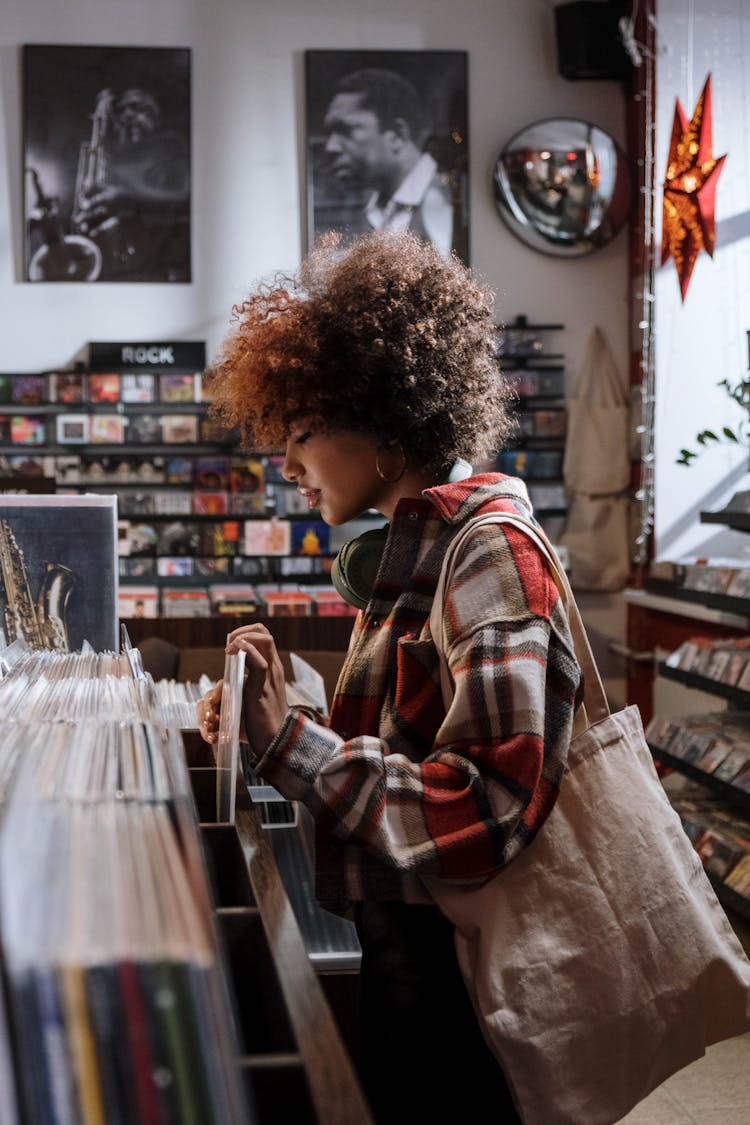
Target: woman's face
x=336 y=473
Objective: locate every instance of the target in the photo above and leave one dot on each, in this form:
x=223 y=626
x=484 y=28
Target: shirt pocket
x=417 y=703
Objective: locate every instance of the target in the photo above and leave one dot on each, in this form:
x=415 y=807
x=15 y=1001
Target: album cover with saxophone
x=58 y=571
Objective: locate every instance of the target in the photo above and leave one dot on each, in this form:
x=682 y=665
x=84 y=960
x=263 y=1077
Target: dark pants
x=422 y=1057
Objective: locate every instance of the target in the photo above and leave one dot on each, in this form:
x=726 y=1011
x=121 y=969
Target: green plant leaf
x=739 y=392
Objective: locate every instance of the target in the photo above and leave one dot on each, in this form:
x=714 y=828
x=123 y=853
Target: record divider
x=293 y=1055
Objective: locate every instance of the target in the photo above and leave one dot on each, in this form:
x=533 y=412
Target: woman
x=376 y=372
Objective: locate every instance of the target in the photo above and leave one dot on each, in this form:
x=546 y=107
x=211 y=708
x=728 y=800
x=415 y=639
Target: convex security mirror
x=563 y=186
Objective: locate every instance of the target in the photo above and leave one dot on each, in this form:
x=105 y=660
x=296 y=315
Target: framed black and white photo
x=106 y=151
x=388 y=145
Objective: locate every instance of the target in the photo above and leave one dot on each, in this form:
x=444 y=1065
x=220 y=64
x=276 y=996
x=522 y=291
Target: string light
x=645 y=494
x=643 y=56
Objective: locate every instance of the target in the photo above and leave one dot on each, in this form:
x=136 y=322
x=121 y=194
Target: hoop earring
x=382 y=475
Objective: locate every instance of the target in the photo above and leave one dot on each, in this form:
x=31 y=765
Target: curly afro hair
x=385 y=337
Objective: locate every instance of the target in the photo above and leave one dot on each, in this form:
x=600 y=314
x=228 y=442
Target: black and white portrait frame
x=337 y=199
x=106 y=160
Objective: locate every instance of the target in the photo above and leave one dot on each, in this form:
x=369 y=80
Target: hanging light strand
x=645 y=493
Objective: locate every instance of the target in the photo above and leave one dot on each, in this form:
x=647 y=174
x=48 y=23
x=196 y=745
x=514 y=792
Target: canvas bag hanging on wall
x=596 y=472
x=597 y=444
x=597 y=536
x=599 y=961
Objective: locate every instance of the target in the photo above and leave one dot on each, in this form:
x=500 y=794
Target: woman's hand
x=208 y=709
x=264 y=705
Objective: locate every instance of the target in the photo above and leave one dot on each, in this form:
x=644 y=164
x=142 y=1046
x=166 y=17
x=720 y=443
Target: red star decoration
x=689 y=223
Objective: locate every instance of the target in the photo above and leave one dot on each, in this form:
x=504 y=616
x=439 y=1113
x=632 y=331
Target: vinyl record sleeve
x=104 y=387
x=28 y=390
x=137 y=386
x=228 y=742
x=177 y=388
x=58 y=571
x=67 y=387
x=27 y=429
x=310 y=538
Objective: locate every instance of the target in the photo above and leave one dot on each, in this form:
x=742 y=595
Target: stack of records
x=116 y=1004
x=177 y=701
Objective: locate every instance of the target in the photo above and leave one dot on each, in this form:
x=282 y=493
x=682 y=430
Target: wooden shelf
x=737 y=520
x=539 y=361
x=704 y=683
x=738 y=798
x=116 y=407
x=290 y=633
x=291 y=1048
x=521 y=324
x=740 y=607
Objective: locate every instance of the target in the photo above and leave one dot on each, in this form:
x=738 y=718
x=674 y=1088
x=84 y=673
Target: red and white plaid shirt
x=398 y=788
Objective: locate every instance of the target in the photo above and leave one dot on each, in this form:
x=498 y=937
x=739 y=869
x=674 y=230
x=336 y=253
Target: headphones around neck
x=356 y=566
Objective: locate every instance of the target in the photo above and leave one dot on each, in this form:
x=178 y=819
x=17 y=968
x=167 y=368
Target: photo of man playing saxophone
x=122 y=211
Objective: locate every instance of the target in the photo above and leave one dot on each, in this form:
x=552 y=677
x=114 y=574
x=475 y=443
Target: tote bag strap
x=595 y=706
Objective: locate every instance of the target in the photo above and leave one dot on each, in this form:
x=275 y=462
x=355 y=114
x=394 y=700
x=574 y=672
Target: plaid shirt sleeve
x=494 y=770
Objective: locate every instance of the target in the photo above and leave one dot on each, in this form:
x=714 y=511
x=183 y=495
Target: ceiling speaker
x=589 y=44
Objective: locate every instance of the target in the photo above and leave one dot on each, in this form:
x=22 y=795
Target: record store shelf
x=293 y=1055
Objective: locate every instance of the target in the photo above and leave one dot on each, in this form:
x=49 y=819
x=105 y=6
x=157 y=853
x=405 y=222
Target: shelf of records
x=219 y=599
x=151 y=971
x=106 y=409
x=117 y=1002
x=215 y=536
x=523 y=343
x=537 y=428
x=203 y=519
x=538 y=445
x=721 y=584
x=712 y=750
x=541 y=470
x=203 y=565
x=736 y=514
x=722 y=840
x=721 y=667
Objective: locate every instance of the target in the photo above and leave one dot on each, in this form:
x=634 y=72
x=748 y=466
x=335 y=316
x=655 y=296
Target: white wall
x=704 y=339
x=248 y=167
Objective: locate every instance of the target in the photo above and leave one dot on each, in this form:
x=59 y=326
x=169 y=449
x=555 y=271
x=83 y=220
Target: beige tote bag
x=597 y=536
x=599 y=961
x=597 y=445
x=596 y=472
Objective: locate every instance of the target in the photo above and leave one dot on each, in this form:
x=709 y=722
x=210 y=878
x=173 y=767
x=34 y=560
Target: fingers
x=264 y=692
x=209 y=711
x=256 y=655
x=261 y=658
x=264 y=705
x=257 y=644
x=255 y=633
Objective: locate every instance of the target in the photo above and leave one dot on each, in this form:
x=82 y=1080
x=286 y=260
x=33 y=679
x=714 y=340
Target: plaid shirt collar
x=413 y=556
x=461 y=500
